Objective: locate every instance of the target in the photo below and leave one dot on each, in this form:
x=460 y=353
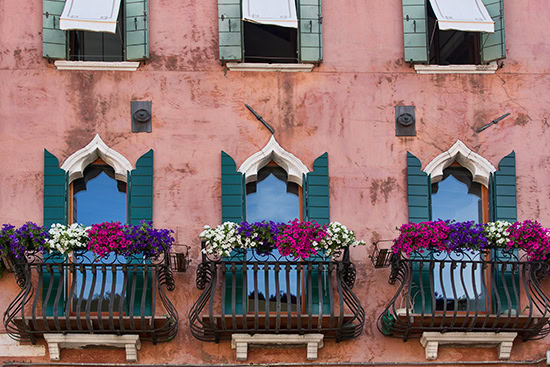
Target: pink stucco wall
x=344 y=107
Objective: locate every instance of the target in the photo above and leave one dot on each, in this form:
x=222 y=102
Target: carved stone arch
x=479 y=167
x=80 y=159
x=274 y=152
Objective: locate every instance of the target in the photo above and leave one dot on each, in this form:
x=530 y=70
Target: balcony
x=79 y=294
x=494 y=290
x=303 y=296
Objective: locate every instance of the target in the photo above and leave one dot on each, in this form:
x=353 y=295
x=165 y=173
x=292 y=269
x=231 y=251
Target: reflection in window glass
x=273 y=198
x=457 y=197
x=97 y=198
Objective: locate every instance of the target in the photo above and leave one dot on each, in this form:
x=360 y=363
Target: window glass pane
x=272 y=197
x=457 y=197
x=97 y=198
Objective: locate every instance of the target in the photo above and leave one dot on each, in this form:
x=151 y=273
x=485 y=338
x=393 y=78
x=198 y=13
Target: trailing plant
x=529 y=236
x=65 y=239
x=295 y=238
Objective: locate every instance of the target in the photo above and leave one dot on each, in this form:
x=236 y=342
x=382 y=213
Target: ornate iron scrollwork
x=204 y=275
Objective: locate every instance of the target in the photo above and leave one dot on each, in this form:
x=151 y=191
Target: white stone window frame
x=480 y=168
x=79 y=160
x=272 y=151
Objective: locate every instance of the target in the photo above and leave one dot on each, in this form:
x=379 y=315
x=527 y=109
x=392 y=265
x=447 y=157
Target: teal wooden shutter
x=419 y=195
x=55 y=191
x=140 y=207
x=311 y=30
x=233 y=191
x=317 y=191
x=504 y=193
x=230 y=30
x=233 y=210
x=54 y=40
x=141 y=190
x=493 y=45
x=55 y=211
x=415 y=31
x=139 y=296
x=504 y=207
x=418 y=191
x=136 y=29
x=317 y=207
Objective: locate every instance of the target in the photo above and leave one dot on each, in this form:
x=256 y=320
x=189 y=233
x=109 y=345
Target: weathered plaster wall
x=345 y=107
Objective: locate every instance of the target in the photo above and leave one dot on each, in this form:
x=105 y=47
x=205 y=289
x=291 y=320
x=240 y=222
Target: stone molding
x=480 y=167
x=274 y=152
x=456 y=69
x=240 y=342
x=252 y=66
x=80 y=159
x=75 y=341
x=503 y=341
x=97 y=65
x=13 y=348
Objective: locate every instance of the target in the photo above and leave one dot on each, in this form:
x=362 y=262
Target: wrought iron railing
x=494 y=290
x=251 y=292
x=79 y=293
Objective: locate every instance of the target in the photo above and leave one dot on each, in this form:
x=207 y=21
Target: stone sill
x=250 y=66
x=312 y=342
x=130 y=343
x=456 y=69
x=97 y=65
x=503 y=341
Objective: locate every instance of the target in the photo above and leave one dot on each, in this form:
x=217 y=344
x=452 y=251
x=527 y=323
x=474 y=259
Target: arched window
x=95 y=198
x=95 y=184
x=272 y=196
x=457 y=197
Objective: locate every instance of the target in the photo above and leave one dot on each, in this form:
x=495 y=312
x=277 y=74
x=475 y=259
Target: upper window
x=107 y=30
x=447 y=32
x=270 y=32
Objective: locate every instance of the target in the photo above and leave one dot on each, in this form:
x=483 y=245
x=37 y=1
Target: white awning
x=90 y=15
x=274 y=12
x=463 y=15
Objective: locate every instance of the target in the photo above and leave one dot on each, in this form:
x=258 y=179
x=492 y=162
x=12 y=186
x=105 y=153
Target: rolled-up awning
x=85 y=15
x=463 y=15
x=274 y=12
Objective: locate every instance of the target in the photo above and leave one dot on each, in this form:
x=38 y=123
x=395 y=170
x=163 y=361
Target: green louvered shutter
x=493 y=45
x=233 y=191
x=504 y=207
x=137 y=29
x=419 y=195
x=54 y=40
x=418 y=190
x=415 y=31
x=317 y=191
x=504 y=181
x=317 y=208
x=311 y=31
x=136 y=294
x=55 y=211
x=55 y=191
x=230 y=30
x=233 y=210
x=141 y=190
x=140 y=207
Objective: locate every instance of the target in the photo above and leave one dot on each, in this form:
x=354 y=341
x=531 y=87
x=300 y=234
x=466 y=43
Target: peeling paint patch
x=383 y=187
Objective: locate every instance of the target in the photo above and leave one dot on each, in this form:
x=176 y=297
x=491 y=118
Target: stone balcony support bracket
x=130 y=343
x=240 y=342
x=503 y=341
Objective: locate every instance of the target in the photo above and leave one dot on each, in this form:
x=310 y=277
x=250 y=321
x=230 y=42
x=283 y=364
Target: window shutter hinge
x=407 y=18
x=320 y=19
x=135 y=23
x=47 y=14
